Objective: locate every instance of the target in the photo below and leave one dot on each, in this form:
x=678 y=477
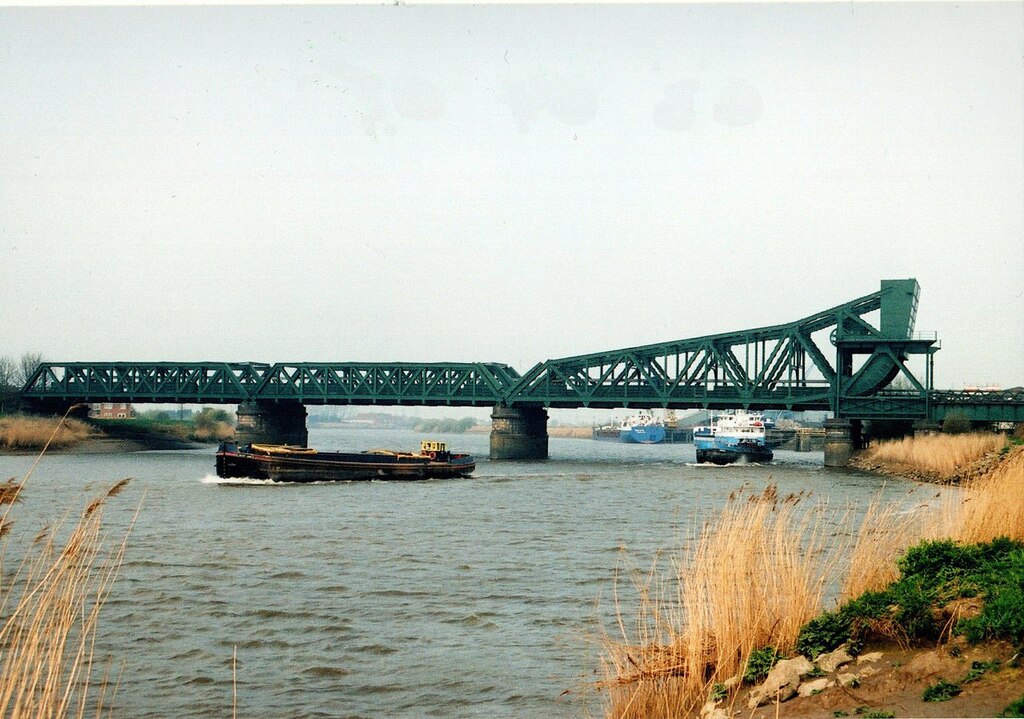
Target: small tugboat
x=287 y=463
x=733 y=437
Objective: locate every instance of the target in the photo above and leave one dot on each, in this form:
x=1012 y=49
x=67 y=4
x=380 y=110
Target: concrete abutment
x=519 y=433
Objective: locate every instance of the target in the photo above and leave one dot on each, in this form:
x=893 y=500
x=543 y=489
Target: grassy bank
x=31 y=433
x=751 y=584
x=23 y=432
x=190 y=430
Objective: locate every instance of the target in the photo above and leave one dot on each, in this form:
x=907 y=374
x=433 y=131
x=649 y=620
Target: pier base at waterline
x=842 y=437
x=519 y=433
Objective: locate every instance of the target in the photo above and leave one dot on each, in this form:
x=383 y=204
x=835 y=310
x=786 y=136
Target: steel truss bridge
x=844 y=359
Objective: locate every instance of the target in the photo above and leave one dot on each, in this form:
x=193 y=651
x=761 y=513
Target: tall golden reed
x=752 y=578
x=24 y=432
x=943 y=455
x=980 y=510
x=49 y=610
x=989 y=507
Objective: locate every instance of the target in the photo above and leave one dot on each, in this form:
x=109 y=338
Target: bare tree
x=8 y=372
x=8 y=378
x=27 y=366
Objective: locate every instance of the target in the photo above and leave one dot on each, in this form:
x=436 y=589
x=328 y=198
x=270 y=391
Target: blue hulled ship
x=739 y=436
x=642 y=428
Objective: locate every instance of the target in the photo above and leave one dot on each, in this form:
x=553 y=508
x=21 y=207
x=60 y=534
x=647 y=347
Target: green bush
x=823 y=633
x=208 y=417
x=1002 y=617
x=1014 y=709
x=941 y=691
x=760 y=663
x=978 y=670
x=931 y=575
x=956 y=423
x=913 y=601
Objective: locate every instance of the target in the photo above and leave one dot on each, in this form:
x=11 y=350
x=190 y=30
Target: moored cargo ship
x=285 y=463
x=642 y=428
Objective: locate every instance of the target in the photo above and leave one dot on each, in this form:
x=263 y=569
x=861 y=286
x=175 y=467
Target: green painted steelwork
x=177 y=382
x=780 y=367
x=460 y=384
x=834 y=360
x=980 y=406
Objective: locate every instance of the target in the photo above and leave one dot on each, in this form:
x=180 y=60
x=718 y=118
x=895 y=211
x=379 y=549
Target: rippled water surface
x=449 y=598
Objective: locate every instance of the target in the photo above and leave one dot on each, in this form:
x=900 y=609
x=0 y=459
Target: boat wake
x=712 y=465
x=236 y=481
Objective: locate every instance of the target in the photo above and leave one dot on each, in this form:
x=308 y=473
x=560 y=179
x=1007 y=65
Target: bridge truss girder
x=461 y=384
x=455 y=384
x=191 y=382
x=779 y=367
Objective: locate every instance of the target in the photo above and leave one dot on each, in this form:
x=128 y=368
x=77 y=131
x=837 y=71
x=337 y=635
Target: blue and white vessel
x=642 y=428
x=738 y=436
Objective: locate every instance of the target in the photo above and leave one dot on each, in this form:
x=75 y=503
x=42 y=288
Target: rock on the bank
x=782 y=682
x=834 y=659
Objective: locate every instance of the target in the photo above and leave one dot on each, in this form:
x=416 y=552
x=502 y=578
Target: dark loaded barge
x=285 y=463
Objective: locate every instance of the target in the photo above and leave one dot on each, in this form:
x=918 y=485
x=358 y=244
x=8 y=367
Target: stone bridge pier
x=278 y=422
x=519 y=433
x=842 y=437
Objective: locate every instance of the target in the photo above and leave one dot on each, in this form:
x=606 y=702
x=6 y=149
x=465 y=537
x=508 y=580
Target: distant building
x=111 y=410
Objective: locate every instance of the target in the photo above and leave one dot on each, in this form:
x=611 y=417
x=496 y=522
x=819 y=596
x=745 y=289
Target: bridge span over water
x=860 y=360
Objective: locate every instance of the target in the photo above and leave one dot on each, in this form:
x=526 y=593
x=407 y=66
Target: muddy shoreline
x=116 y=445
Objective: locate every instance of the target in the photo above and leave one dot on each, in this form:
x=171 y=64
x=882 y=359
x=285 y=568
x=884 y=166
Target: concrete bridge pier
x=519 y=433
x=842 y=437
x=272 y=423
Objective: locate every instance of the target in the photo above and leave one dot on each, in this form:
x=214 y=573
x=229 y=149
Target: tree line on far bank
x=14 y=373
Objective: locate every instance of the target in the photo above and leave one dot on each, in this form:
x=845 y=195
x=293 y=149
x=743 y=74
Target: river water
x=473 y=597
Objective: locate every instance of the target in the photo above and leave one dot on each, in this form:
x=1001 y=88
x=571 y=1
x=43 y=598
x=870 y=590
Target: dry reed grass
x=942 y=455
x=981 y=510
x=49 y=612
x=217 y=432
x=756 y=574
x=24 y=432
x=988 y=507
x=885 y=532
x=752 y=579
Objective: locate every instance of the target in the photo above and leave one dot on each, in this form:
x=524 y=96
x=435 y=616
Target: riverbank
x=749 y=590
x=21 y=434
x=941 y=458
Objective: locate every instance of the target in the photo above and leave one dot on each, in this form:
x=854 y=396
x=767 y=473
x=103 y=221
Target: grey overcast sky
x=504 y=183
